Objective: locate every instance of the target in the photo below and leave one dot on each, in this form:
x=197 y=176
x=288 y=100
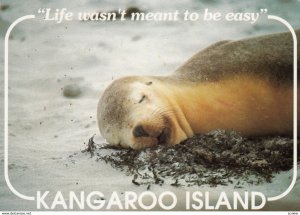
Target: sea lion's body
x=244 y=85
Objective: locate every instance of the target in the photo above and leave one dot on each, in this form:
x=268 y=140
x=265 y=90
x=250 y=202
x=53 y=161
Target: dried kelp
x=218 y=158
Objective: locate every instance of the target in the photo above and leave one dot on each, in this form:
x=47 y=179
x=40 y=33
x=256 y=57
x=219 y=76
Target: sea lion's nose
x=139 y=131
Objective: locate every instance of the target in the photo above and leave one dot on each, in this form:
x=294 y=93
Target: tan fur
x=248 y=105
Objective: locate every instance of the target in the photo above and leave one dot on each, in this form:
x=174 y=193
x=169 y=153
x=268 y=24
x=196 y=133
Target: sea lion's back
x=269 y=56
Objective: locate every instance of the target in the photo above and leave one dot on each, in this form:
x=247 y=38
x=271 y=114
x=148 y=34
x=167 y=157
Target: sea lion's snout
x=158 y=134
x=139 y=131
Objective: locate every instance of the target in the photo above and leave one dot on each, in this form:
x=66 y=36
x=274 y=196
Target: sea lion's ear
x=149 y=83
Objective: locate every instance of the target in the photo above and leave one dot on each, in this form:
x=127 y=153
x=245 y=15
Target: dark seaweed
x=218 y=158
x=90 y=147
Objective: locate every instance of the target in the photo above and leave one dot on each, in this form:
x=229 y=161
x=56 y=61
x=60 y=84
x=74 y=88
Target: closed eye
x=142 y=99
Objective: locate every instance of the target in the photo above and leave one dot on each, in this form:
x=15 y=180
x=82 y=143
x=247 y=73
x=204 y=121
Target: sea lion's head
x=134 y=112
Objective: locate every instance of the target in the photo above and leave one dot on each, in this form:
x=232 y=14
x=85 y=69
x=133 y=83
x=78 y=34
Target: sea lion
x=243 y=85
